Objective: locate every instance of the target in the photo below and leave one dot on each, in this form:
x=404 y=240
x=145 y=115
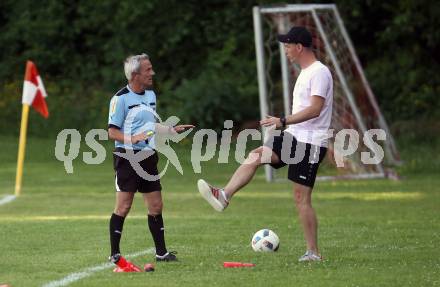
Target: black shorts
x=127 y=179
x=303 y=159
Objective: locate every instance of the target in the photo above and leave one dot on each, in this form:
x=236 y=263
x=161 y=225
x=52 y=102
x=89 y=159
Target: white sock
x=222 y=191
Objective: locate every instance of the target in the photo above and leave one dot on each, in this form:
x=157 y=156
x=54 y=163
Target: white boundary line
x=72 y=277
x=7 y=199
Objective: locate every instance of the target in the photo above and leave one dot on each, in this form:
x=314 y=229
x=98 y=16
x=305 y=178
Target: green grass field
x=372 y=232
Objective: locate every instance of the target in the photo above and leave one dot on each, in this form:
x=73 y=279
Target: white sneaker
x=214 y=196
x=310 y=256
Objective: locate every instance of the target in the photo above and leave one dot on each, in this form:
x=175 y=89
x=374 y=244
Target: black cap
x=297 y=35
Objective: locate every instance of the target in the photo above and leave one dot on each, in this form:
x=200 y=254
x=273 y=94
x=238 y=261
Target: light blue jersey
x=132 y=114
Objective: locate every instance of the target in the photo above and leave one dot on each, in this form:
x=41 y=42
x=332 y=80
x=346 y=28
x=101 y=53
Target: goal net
x=354 y=104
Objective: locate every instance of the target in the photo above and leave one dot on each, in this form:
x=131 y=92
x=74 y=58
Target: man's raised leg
x=246 y=171
x=219 y=198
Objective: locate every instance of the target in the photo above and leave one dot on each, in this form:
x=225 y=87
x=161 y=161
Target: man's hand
x=270 y=121
x=181 y=128
x=138 y=138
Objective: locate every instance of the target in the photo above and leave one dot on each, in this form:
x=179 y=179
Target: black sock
x=116 y=224
x=155 y=223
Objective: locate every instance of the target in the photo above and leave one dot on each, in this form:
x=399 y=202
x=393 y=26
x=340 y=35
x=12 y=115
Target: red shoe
x=123 y=265
x=130 y=268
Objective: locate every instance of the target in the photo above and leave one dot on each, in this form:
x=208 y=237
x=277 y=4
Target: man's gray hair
x=133 y=63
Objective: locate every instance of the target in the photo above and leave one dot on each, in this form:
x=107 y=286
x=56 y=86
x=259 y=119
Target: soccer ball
x=265 y=240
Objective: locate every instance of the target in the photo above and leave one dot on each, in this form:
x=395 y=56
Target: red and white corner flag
x=34 y=93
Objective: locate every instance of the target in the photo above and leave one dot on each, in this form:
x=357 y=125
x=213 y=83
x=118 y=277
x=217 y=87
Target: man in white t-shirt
x=303 y=144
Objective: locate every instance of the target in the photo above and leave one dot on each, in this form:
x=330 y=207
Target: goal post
x=355 y=106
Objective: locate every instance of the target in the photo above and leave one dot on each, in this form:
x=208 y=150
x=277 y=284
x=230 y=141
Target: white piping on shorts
x=116 y=182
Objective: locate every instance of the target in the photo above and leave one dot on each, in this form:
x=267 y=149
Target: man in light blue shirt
x=135 y=112
x=132 y=125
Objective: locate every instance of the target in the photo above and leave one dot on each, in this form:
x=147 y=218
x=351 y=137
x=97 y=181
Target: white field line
x=7 y=199
x=73 y=277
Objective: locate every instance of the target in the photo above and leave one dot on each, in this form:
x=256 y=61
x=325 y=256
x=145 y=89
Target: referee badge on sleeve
x=113 y=106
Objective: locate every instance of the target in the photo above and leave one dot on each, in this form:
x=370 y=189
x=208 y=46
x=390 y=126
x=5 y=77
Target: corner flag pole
x=21 y=148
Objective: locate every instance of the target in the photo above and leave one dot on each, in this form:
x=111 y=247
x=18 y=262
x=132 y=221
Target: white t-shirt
x=315 y=80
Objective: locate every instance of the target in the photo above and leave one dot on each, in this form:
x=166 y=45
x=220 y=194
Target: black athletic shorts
x=127 y=179
x=303 y=159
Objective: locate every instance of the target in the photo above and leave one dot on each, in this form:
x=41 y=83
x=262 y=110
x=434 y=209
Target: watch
x=283 y=122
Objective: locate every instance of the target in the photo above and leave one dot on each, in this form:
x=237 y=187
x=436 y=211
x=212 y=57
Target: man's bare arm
x=117 y=135
x=313 y=111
